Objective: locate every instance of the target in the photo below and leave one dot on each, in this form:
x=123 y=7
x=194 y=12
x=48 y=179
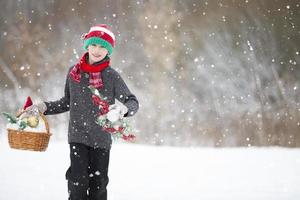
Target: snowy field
x=140 y=172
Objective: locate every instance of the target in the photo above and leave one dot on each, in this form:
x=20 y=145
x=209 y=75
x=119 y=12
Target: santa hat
x=102 y=35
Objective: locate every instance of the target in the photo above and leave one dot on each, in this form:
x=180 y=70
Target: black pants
x=88 y=174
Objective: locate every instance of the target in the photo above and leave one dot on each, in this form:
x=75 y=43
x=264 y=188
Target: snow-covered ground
x=140 y=172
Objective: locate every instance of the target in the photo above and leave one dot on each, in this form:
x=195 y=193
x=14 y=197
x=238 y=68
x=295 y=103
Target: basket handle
x=19 y=113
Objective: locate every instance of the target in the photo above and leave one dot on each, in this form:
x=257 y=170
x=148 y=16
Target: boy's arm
x=61 y=105
x=123 y=94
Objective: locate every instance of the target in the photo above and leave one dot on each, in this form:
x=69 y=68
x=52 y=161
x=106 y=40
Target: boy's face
x=96 y=53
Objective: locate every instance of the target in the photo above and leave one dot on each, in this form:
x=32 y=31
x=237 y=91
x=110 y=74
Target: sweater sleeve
x=61 y=105
x=123 y=94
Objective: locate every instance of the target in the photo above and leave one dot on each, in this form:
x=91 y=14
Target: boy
x=89 y=144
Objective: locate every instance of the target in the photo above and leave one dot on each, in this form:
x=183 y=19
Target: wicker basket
x=25 y=140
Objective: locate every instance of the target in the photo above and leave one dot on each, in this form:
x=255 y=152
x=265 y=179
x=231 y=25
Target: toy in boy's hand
x=111 y=117
x=30 y=110
x=31 y=118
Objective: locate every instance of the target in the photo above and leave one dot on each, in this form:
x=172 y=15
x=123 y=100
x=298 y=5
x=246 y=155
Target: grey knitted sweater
x=83 y=113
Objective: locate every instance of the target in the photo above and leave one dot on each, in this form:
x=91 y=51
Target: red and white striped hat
x=102 y=35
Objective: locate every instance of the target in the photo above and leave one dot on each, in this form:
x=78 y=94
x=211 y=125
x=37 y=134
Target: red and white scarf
x=93 y=70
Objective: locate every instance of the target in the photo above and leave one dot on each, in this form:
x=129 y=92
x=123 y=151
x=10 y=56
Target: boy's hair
x=102 y=35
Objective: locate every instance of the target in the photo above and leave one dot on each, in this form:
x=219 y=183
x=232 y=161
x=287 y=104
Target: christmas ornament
x=33 y=121
x=109 y=118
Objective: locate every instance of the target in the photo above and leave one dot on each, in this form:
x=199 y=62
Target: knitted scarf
x=94 y=70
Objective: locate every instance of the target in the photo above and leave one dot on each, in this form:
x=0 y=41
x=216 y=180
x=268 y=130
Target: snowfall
x=141 y=172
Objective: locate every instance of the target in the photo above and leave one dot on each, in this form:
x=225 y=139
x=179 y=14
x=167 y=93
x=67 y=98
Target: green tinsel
x=11 y=119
